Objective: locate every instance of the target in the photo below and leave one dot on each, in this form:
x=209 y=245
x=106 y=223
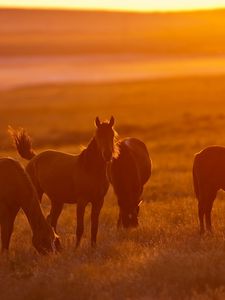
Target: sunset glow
x=129 y=5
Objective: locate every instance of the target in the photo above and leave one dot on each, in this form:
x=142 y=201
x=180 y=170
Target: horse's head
x=44 y=240
x=104 y=137
x=129 y=217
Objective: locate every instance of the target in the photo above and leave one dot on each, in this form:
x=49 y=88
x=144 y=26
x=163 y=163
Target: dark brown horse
x=17 y=191
x=128 y=173
x=208 y=178
x=68 y=178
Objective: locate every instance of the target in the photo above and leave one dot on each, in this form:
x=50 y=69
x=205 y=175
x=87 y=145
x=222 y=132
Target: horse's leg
x=202 y=199
x=95 y=211
x=201 y=213
x=7 y=223
x=80 y=221
x=52 y=219
x=208 y=209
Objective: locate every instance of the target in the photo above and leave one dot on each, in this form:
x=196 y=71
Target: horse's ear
x=112 y=121
x=97 y=122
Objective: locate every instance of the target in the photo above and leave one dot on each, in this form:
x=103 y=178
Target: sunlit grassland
x=164 y=258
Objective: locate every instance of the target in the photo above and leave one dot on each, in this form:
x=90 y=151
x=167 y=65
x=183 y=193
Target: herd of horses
x=85 y=178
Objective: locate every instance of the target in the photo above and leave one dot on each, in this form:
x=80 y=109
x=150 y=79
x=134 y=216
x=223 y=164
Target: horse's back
x=53 y=172
x=11 y=171
x=132 y=167
x=141 y=157
x=210 y=159
x=7 y=163
x=14 y=181
x=52 y=162
x=209 y=167
x=52 y=156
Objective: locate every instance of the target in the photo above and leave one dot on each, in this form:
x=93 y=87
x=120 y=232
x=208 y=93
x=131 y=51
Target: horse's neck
x=34 y=214
x=92 y=157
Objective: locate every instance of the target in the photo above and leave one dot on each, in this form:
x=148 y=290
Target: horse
x=17 y=191
x=208 y=178
x=128 y=173
x=68 y=178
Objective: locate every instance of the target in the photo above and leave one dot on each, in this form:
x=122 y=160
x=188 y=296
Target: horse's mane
x=86 y=151
x=88 y=154
x=116 y=148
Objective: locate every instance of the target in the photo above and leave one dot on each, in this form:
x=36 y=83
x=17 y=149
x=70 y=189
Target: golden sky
x=136 y=5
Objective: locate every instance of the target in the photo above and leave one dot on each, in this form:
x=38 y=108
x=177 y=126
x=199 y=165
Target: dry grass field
x=164 y=258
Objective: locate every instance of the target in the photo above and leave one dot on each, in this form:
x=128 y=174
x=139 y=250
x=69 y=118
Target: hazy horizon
x=111 y=10
x=60 y=46
x=116 y=6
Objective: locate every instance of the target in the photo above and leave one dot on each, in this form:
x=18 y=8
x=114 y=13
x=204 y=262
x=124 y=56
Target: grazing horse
x=17 y=191
x=128 y=172
x=67 y=178
x=208 y=178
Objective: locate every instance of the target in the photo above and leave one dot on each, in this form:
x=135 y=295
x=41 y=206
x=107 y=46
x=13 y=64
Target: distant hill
x=46 y=32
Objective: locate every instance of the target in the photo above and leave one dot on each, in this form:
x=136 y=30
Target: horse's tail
x=195 y=178
x=22 y=142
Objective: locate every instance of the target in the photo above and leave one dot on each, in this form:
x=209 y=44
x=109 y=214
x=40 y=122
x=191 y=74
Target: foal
x=67 y=178
x=17 y=191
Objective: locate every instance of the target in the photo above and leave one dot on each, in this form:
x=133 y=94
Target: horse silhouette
x=17 y=191
x=208 y=178
x=128 y=172
x=67 y=178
